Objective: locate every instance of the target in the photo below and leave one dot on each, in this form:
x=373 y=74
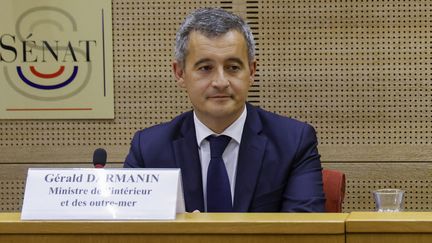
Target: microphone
x=99 y=158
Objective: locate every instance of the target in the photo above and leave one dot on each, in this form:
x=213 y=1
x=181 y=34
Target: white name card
x=109 y=194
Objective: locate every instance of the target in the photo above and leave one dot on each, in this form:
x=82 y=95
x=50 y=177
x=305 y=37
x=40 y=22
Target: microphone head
x=99 y=158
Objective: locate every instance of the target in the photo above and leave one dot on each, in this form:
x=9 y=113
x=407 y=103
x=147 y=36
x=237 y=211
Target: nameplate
x=108 y=194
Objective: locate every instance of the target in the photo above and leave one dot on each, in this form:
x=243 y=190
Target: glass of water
x=389 y=200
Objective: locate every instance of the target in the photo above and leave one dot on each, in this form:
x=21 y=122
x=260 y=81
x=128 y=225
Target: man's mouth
x=220 y=97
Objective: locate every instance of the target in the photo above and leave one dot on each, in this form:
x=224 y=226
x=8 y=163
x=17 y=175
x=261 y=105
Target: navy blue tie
x=218 y=186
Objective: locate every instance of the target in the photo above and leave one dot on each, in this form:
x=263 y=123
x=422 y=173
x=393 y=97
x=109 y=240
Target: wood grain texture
x=404 y=227
x=388 y=238
x=197 y=227
x=196 y=223
x=362 y=179
x=402 y=222
x=178 y=238
x=358 y=71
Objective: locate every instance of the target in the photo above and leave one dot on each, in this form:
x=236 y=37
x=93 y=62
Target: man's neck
x=217 y=125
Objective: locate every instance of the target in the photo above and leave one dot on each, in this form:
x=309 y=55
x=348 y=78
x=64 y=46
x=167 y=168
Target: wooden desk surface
x=187 y=228
x=406 y=222
x=403 y=227
x=219 y=223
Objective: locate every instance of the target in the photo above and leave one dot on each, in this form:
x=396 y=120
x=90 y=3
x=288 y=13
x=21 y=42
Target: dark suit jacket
x=278 y=165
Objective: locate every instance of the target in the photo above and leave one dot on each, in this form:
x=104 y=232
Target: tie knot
x=218 y=145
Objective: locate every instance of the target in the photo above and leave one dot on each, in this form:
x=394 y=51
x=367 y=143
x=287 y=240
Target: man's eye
x=233 y=68
x=204 y=68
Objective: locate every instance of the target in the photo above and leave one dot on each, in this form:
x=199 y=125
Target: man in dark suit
x=233 y=156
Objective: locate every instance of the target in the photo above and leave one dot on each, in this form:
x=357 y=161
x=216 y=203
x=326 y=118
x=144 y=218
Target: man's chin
x=220 y=105
x=218 y=100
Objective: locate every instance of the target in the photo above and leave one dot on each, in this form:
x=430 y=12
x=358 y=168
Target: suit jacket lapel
x=187 y=159
x=250 y=158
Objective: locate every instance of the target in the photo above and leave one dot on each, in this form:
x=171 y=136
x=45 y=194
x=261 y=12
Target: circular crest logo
x=46 y=58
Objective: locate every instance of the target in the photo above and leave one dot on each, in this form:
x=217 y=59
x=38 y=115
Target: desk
x=193 y=227
x=371 y=227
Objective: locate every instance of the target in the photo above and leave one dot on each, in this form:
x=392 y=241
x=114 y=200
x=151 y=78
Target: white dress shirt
x=230 y=155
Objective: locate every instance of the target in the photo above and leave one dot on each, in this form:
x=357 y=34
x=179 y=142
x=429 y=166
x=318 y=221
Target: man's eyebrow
x=232 y=59
x=236 y=59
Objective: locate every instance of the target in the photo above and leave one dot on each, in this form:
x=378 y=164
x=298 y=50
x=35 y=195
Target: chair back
x=334 y=189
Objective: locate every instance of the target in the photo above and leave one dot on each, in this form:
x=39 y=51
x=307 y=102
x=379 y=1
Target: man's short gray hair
x=211 y=22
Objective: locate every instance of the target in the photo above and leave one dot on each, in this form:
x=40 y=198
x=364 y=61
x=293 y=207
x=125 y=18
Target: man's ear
x=252 y=71
x=178 y=73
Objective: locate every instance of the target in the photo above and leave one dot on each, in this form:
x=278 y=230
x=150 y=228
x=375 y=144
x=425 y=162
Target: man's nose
x=220 y=79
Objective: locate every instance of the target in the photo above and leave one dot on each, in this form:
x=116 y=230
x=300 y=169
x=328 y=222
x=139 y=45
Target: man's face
x=217 y=75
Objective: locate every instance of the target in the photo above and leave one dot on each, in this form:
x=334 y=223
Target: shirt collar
x=235 y=130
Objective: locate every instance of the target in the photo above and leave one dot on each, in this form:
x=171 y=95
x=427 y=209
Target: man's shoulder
x=150 y=147
x=170 y=129
x=274 y=121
